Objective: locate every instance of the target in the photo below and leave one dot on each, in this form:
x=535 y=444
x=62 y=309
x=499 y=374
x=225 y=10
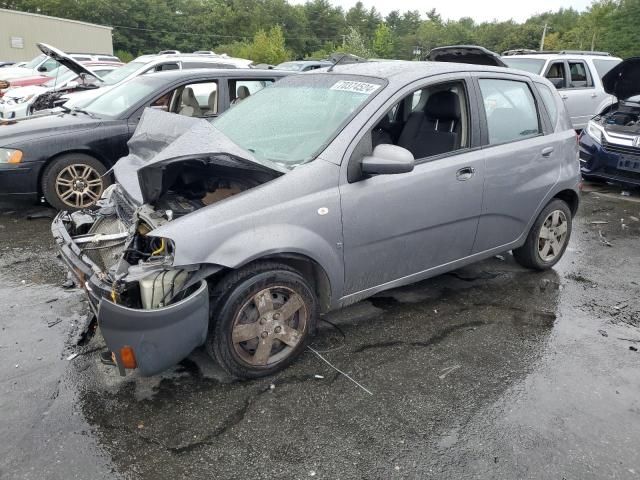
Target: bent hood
x=466 y=54
x=64 y=59
x=623 y=80
x=162 y=138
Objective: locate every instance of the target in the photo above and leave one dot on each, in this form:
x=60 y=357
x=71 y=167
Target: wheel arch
x=310 y=269
x=571 y=198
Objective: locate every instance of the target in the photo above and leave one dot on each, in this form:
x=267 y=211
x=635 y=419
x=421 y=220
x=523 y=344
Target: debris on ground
x=635 y=219
x=54 y=322
x=603 y=333
x=625 y=193
x=72 y=356
x=338 y=370
x=500 y=257
x=603 y=239
x=599 y=222
x=632 y=348
x=447 y=371
x=319 y=377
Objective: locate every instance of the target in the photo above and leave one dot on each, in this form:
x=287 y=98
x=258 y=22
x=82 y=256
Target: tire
x=532 y=253
x=248 y=337
x=80 y=173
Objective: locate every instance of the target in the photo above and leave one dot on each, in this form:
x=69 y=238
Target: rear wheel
x=74 y=181
x=548 y=237
x=261 y=319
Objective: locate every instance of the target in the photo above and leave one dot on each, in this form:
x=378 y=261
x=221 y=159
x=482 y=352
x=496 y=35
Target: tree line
x=271 y=31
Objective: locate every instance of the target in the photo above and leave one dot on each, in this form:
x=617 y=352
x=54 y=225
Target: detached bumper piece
x=154 y=340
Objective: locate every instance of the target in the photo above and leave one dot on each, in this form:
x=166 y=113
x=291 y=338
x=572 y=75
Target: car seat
x=190 y=106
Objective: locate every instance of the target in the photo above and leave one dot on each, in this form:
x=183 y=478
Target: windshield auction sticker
x=355 y=87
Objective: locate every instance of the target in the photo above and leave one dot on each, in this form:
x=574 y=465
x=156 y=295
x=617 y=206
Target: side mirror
x=42 y=68
x=388 y=159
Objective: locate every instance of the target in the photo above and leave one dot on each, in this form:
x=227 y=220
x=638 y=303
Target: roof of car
x=549 y=56
x=405 y=70
x=196 y=73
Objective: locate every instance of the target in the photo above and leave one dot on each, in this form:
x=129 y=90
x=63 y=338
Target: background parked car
x=19 y=102
x=44 y=63
x=153 y=63
x=610 y=145
x=65 y=157
x=577 y=76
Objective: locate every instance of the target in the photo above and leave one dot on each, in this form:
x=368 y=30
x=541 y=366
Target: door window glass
x=49 y=65
x=579 y=76
x=195 y=99
x=556 y=75
x=511 y=110
x=241 y=89
x=167 y=66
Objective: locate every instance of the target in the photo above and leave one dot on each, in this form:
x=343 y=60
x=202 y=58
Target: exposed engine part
x=108 y=242
x=158 y=289
x=178 y=204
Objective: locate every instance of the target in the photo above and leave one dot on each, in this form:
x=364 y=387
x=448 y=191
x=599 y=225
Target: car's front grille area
x=105 y=253
x=620 y=149
x=124 y=209
x=622 y=173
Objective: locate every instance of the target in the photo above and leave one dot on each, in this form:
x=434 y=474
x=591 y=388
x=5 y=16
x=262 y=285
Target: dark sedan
x=66 y=157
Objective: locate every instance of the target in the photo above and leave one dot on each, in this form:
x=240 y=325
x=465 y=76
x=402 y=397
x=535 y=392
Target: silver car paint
x=435 y=228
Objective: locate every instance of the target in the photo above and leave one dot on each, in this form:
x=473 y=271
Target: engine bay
x=623 y=119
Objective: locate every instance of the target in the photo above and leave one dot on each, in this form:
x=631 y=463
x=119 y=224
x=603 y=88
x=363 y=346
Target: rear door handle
x=465 y=173
x=546 y=152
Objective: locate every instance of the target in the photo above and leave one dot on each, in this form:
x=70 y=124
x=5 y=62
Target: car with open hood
x=147 y=64
x=322 y=190
x=610 y=145
x=577 y=75
x=21 y=101
x=65 y=157
x=45 y=63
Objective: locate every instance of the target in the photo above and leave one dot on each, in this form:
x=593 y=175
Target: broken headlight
x=595 y=131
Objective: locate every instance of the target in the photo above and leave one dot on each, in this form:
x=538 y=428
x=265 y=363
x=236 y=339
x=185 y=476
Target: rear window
x=603 y=66
x=533 y=65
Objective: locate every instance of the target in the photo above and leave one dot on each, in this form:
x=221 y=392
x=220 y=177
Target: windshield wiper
x=80 y=110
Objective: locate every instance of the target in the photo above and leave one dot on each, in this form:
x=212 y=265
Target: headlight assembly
x=595 y=131
x=24 y=99
x=9 y=155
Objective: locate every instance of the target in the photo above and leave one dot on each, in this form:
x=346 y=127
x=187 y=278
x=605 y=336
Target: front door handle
x=546 y=152
x=465 y=174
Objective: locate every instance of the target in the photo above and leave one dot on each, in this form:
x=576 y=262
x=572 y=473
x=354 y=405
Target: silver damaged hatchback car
x=312 y=194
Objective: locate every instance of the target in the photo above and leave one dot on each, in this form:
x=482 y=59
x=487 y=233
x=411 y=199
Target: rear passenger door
x=580 y=96
x=521 y=162
x=250 y=86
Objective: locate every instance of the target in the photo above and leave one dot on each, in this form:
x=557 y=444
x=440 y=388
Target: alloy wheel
x=269 y=326
x=79 y=185
x=552 y=236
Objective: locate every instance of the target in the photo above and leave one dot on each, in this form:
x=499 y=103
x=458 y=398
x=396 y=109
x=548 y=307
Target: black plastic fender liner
x=161 y=337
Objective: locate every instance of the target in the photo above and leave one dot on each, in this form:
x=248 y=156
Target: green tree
x=383 y=42
x=355 y=44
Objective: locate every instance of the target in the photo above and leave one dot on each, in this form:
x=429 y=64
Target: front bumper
x=159 y=337
x=597 y=162
x=20 y=178
x=13 y=111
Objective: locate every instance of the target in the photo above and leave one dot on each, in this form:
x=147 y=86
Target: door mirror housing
x=42 y=68
x=387 y=160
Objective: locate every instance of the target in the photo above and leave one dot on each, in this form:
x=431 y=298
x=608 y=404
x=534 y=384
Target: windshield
x=292 y=121
x=35 y=62
x=123 y=72
x=533 y=65
x=114 y=102
x=290 y=66
x=59 y=76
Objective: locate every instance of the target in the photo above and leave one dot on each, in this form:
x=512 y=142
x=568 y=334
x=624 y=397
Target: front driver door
x=398 y=227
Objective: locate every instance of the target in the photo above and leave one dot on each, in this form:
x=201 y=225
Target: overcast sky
x=479 y=10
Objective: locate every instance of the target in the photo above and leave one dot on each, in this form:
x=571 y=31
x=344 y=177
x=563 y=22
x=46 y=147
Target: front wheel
x=548 y=237
x=261 y=319
x=74 y=181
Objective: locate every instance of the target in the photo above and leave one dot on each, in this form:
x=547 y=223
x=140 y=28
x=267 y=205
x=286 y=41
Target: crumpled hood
x=162 y=138
x=623 y=80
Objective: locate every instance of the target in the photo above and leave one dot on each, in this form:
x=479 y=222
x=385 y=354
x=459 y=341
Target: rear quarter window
x=549 y=101
x=603 y=66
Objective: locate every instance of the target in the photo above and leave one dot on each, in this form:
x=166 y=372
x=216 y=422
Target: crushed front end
x=151 y=314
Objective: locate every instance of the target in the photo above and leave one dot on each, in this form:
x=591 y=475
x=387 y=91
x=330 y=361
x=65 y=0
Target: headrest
x=243 y=92
x=188 y=96
x=213 y=96
x=443 y=105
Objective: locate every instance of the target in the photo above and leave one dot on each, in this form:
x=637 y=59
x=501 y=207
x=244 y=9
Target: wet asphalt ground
x=491 y=371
